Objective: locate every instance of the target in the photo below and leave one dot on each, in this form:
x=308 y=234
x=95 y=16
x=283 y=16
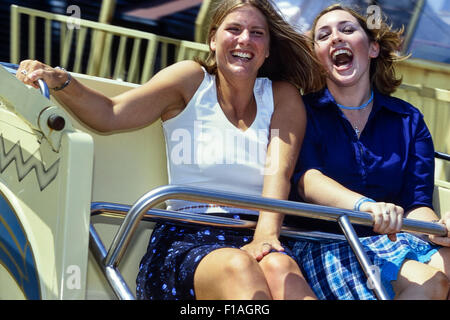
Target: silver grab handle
x=43 y=87
x=12 y=69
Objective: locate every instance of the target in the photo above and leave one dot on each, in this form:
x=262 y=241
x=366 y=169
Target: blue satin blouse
x=392 y=161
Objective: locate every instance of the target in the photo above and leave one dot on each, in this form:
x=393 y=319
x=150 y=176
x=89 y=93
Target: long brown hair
x=382 y=68
x=291 y=58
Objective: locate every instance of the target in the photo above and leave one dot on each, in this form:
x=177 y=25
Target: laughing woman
x=365 y=150
x=248 y=88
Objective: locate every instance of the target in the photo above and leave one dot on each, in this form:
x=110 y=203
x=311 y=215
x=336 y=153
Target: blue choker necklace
x=357 y=108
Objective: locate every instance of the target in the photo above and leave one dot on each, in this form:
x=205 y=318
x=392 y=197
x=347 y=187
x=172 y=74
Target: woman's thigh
x=417 y=280
x=441 y=260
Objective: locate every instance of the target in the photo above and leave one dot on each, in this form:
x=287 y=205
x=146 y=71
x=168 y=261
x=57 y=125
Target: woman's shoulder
x=398 y=105
x=184 y=70
x=185 y=76
x=286 y=96
x=282 y=85
x=284 y=90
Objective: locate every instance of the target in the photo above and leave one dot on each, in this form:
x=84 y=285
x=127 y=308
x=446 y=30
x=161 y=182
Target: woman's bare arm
x=167 y=92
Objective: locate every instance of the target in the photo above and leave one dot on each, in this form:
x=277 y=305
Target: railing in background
x=126 y=54
x=434 y=103
x=202 y=21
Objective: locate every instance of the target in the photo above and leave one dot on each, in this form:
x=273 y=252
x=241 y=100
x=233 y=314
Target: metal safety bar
x=119 y=285
x=120 y=210
x=362 y=257
x=109 y=260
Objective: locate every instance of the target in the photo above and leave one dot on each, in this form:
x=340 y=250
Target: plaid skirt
x=333 y=271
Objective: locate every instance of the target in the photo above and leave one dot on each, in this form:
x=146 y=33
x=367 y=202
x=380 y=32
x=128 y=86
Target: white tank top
x=204 y=149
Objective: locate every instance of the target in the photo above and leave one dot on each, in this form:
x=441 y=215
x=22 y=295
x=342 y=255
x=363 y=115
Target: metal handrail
x=116 y=210
x=163 y=193
x=442 y=155
x=160 y=194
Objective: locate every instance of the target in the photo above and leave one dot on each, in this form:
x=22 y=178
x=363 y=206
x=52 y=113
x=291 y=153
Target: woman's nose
x=244 y=37
x=335 y=37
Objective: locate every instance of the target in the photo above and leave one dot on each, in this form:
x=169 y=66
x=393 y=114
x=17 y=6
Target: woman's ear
x=374 y=49
x=212 y=42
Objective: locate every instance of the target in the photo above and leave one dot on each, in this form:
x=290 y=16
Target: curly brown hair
x=291 y=58
x=382 y=68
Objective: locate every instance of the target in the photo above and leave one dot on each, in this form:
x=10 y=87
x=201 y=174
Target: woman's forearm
x=91 y=107
x=422 y=213
x=317 y=188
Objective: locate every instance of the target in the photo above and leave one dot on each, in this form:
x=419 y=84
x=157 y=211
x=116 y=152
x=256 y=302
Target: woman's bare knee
x=284 y=277
x=420 y=281
x=230 y=273
x=441 y=260
x=279 y=263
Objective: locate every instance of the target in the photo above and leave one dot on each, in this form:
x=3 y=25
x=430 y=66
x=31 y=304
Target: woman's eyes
x=257 y=33
x=235 y=29
x=238 y=30
x=324 y=35
x=348 y=29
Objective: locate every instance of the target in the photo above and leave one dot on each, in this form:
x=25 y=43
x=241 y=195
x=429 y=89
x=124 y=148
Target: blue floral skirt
x=167 y=270
x=333 y=271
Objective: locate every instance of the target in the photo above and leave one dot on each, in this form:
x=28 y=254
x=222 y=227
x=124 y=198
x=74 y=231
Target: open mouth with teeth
x=342 y=58
x=242 y=55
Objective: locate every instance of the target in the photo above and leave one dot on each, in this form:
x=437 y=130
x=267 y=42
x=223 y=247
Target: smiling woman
x=248 y=89
x=285 y=46
x=367 y=151
x=336 y=37
x=245 y=35
x=232 y=100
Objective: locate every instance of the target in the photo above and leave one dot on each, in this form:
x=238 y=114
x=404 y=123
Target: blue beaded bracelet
x=361 y=201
